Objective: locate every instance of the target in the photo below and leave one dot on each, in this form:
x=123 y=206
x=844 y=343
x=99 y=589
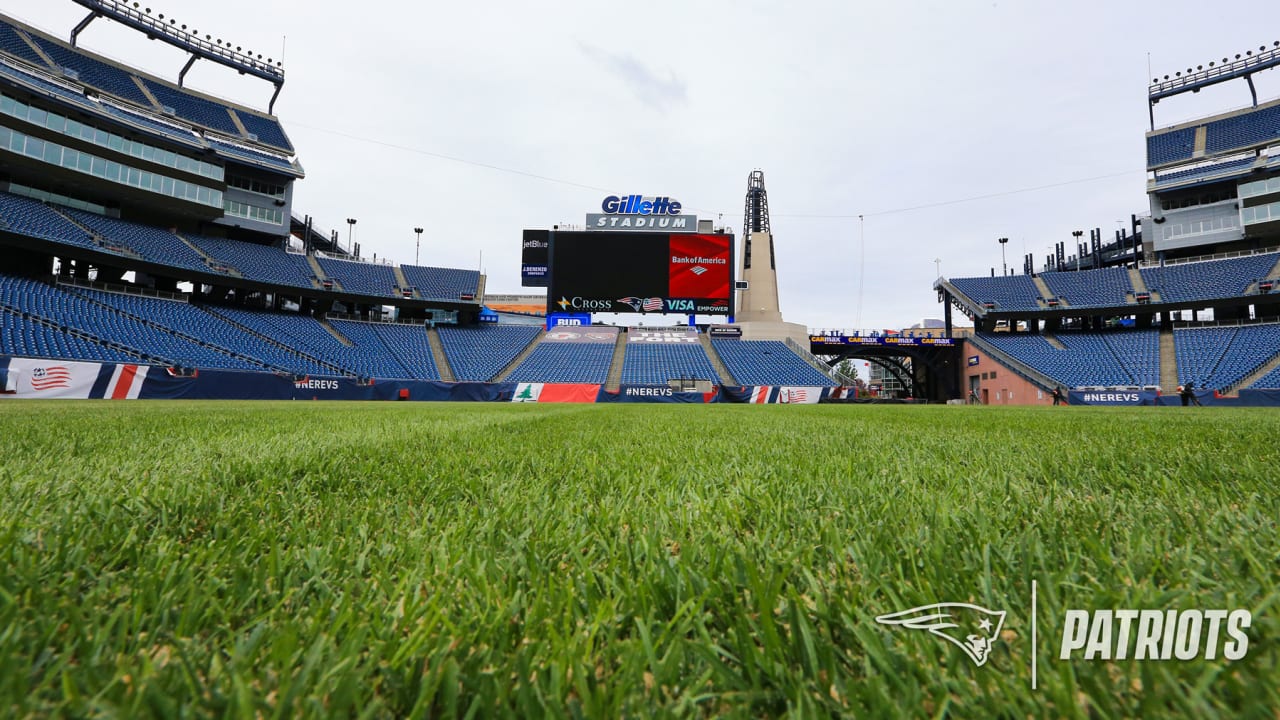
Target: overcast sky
x=476 y=120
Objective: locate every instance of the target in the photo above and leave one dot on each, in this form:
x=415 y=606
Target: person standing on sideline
x=1059 y=397
x=1187 y=391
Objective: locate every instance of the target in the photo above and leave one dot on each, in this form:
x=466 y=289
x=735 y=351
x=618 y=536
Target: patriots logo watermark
x=971 y=628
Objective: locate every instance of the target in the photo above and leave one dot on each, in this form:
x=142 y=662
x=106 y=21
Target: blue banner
x=655 y=394
x=1112 y=397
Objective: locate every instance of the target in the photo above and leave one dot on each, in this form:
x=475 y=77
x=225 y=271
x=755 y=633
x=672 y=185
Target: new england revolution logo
x=971 y=628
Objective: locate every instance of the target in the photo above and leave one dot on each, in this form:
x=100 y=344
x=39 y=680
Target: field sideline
x=397 y=559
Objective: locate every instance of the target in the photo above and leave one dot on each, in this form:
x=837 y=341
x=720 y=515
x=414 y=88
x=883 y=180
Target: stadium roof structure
x=177 y=35
x=1243 y=66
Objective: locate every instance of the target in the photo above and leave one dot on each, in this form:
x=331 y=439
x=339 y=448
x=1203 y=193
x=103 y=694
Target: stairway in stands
x=209 y=259
x=614 y=381
x=336 y=370
x=515 y=362
x=1254 y=376
x=1168 y=361
x=1045 y=292
x=320 y=276
x=722 y=371
x=402 y=282
x=1140 y=285
x=437 y=352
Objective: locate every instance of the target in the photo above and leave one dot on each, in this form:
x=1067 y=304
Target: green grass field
x=405 y=559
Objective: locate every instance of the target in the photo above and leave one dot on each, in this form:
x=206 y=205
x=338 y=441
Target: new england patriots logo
x=634 y=302
x=971 y=628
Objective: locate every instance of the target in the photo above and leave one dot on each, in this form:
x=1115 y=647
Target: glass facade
x=1261 y=187
x=274 y=216
x=1260 y=213
x=88 y=133
x=109 y=170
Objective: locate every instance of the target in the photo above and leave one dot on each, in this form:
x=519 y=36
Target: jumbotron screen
x=625 y=272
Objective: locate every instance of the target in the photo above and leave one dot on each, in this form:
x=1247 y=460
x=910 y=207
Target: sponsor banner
x=771 y=394
x=973 y=360
x=59 y=379
x=582 y=335
x=881 y=340
x=555 y=320
x=640 y=335
x=535 y=258
x=656 y=394
x=643 y=223
x=555 y=393
x=699 y=267
x=1111 y=397
x=725 y=332
x=527 y=392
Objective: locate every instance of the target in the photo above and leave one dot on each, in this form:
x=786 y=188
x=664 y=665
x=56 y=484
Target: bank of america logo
x=697 y=270
x=971 y=628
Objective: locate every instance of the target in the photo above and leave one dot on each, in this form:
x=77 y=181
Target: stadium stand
x=96 y=73
x=25 y=337
x=1245 y=130
x=1169 y=147
x=478 y=354
x=1115 y=359
x=1217 y=171
x=24 y=216
x=191 y=321
x=361 y=277
x=1270 y=381
x=565 y=362
x=656 y=363
x=309 y=336
x=441 y=283
x=267 y=131
x=391 y=351
x=1216 y=358
x=1105 y=287
x=109 y=326
x=33 y=81
x=238 y=152
x=1208 y=280
x=257 y=262
x=1016 y=292
x=150 y=243
x=13 y=43
x=766 y=362
x=154 y=127
x=198 y=110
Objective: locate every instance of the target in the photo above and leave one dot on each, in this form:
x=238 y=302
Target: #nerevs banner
x=71 y=380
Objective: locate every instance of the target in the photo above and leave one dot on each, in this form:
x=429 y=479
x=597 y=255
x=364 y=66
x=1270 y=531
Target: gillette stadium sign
x=641 y=212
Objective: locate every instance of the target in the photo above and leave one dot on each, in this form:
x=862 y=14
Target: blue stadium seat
x=150 y=243
x=1208 y=280
x=257 y=262
x=435 y=283
x=96 y=73
x=565 y=362
x=195 y=109
x=1013 y=292
x=24 y=216
x=1215 y=358
x=260 y=158
x=478 y=354
x=267 y=130
x=1251 y=128
x=361 y=278
x=1171 y=146
x=655 y=363
x=1104 y=287
x=766 y=362
x=24 y=337
x=12 y=43
x=1121 y=358
x=391 y=350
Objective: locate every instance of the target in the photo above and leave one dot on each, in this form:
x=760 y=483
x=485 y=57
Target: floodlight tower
x=759 y=301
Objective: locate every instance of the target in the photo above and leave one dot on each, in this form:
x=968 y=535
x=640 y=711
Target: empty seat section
x=1170 y=146
x=309 y=336
x=435 y=283
x=361 y=278
x=655 y=363
x=1105 y=287
x=478 y=354
x=25 y=337
x=151 y=243
x=196 y=109
x=206 y=328
x=258 y=262
x=1117 y=359
x=111 y=326
x=1251 y=128
x=24 y=216
x=12 y=43
x=556 y=360
x=766 y=362
x=390 y=353
x=267 y=130
x=1014 y=292
x=1208 y=280
x=93 y=72
x=1215 y=358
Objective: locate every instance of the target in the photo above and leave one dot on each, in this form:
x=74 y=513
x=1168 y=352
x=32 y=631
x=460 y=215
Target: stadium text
x=317 y=385
x=1156 y=634
x=679 y=260
x=640 y=205
x=650 y=392
x=1112 y=397
x=582 y=304
x=639 y=222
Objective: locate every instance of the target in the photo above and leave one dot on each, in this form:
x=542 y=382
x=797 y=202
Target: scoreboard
x=626 y=272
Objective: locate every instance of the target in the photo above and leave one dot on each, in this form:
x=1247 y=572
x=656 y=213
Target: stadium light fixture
x=351 y=226
x=417 y=245
x=1003 y=241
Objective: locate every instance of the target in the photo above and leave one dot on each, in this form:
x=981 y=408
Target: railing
x=124 y=289
x=383 y=321
x=1216 y=256
x=344 y=258
x=1224 y=323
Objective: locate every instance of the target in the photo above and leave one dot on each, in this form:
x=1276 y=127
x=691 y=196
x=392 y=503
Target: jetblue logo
x=640 y=205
